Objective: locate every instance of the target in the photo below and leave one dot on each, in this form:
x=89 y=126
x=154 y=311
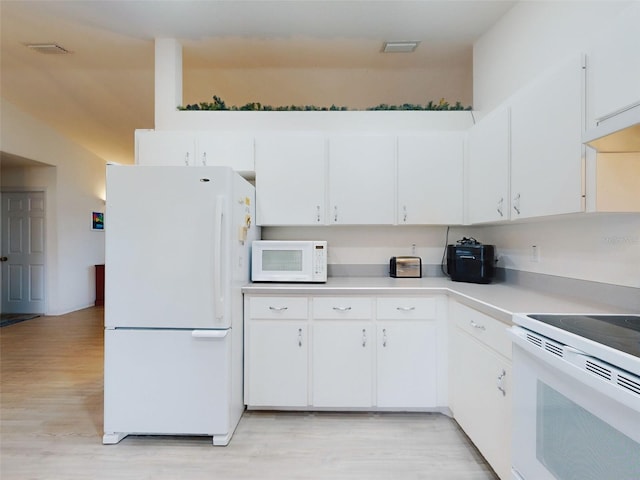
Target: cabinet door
x=290 y=180
x=342 y=364
x=488 y=168
x=406 y=364
x=481 y=392
x=430 y=178
x=235 y=151
x=362 y=180
x=615 y=68
x=277 y=361
x=547 y=121
x=164 y=148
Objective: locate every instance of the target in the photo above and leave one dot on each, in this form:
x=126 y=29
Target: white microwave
x=288 y=261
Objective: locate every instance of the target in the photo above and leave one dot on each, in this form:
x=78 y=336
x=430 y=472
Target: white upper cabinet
x=547 y=122
x=181 y=148
x=290 y=179
x=362 y=172
x=614 y=68
x=488 y=168
x=430 y=178
x=165 y=148
x=231 y=150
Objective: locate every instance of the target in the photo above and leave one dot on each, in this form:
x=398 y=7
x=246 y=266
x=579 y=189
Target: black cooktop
x=621 y=332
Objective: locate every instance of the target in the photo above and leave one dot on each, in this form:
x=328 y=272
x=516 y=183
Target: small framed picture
x=97 y=221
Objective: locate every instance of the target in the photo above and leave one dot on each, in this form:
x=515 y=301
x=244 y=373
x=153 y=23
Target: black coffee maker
x=470 y=261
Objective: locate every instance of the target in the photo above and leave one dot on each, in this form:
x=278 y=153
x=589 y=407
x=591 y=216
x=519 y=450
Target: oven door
x=565 y=424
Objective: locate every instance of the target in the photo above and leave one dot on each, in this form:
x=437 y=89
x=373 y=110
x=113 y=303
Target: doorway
x=23 y=253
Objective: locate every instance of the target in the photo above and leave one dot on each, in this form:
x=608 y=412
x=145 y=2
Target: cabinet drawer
x=278 y=307
x=488 y=330
x=406 y=308
x=342 y=307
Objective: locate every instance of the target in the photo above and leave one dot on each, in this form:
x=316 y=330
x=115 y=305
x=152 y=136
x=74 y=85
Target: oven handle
x=518 y=336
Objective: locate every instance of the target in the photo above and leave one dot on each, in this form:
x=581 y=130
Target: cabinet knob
x=3 y=259
x=186 y=159
x=300 y=337
x=318 y=213
x=364 y=337
x=404 y=213
x=500 y=206
x=384 y=337
x=204 y=159
x=335 y=213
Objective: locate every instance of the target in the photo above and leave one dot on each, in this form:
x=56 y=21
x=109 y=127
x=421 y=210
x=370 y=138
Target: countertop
x=499 y=300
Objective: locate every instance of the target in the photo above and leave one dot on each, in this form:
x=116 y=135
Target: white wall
x=349 y=87
x=597 y=247
x=74 y=187
x=529 y=38
x=359 y=245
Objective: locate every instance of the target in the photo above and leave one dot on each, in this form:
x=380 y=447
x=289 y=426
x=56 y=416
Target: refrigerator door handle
x=218 y=294
x=209 y=333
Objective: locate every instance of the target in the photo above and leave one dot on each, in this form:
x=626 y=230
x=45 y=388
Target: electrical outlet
x=535 y=253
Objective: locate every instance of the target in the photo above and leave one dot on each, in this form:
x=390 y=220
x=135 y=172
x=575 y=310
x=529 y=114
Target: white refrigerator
x=176 y=257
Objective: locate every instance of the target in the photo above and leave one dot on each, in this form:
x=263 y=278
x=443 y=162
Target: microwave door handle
x=218 y=294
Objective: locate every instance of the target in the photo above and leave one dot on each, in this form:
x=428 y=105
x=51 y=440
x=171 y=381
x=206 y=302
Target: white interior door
x=23 y=256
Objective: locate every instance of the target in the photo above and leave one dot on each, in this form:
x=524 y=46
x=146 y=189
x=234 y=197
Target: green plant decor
x=219 y=104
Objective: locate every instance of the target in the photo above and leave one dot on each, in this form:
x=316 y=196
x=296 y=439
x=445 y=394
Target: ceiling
x=101 y=92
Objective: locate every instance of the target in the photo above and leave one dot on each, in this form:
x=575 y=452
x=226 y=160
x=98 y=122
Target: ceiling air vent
x=48 y=48
x=399 y=47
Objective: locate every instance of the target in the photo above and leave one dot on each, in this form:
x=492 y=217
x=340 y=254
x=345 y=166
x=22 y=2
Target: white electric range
x=576 y=397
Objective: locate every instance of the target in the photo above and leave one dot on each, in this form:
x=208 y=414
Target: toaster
x=471 y=261
x=405 y=267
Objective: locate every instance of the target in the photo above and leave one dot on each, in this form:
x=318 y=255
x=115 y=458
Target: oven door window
x=572 y=443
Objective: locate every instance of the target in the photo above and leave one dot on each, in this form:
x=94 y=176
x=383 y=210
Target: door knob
x=3 y=259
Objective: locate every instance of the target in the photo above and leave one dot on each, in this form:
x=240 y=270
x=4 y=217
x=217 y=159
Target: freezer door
x=167 y=382
x=167 y=247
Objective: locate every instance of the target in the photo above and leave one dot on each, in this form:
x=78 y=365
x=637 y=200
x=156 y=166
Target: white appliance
x=177 y=254
x=576 y=397
x=289 y=261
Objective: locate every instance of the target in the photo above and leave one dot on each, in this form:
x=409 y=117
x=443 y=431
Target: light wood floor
x=51 y=427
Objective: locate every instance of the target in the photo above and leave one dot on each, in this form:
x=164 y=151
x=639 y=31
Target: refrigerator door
x=168 y=382
x=167 y=247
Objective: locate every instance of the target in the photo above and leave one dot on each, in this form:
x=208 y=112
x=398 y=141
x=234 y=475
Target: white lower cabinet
x=480 y=383
x=344 y=352
x=342 y=364
x=276 y=351
x=278 y=354
x=343 y=346
x=406 y=364
x=407 y=352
